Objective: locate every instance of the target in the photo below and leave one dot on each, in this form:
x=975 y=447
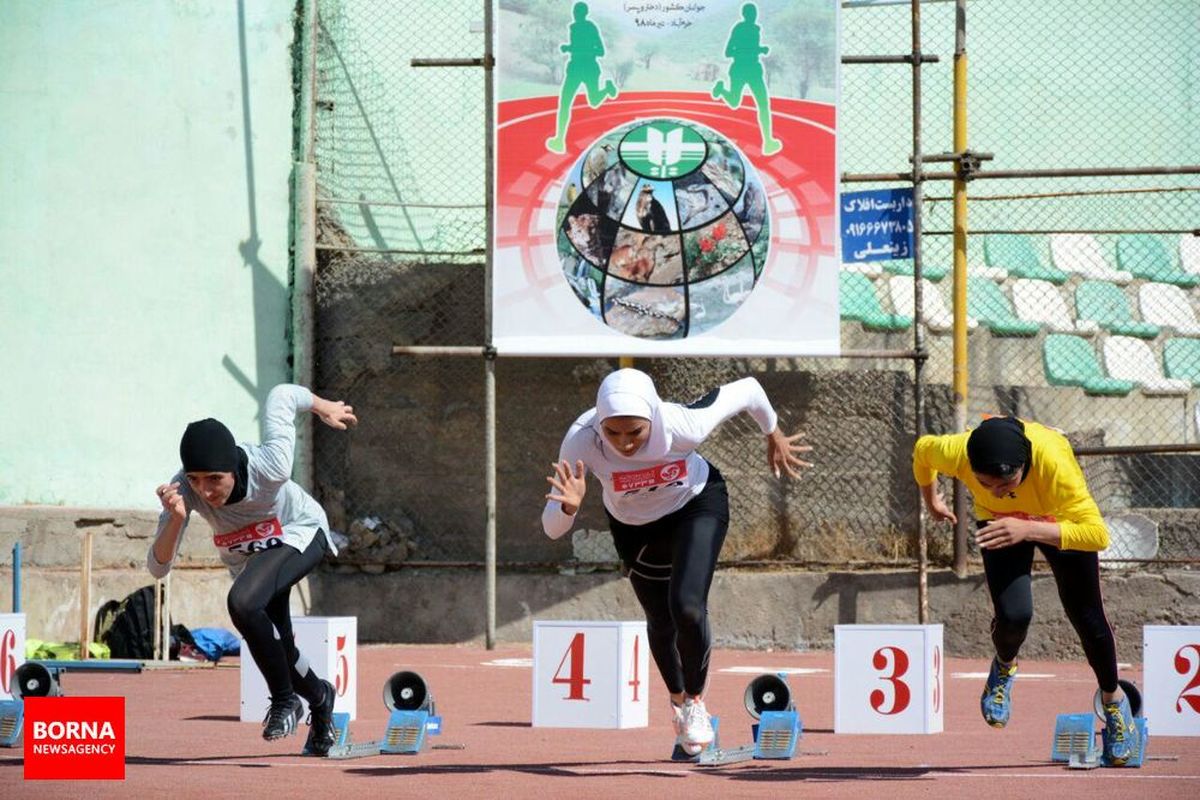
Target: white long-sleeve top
x=667 y=471
x=275 y=510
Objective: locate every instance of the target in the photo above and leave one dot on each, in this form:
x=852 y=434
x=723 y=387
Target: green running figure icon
x=745 y=48
x=583 y=69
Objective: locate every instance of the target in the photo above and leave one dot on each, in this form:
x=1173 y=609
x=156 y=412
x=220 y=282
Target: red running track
x=184 y=740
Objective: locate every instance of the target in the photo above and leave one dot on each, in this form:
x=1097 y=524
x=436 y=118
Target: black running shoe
x=321 y=733
x=283 y=717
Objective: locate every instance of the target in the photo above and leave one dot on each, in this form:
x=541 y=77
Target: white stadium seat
x=1132 y=359
x=1168 y=305
x=1081 y=254
x=1039 y=301
x=938 y=316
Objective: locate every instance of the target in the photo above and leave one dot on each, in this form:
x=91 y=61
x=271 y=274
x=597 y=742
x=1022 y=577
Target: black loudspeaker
x=767 y=693
x=407 y=691
x=35 y=680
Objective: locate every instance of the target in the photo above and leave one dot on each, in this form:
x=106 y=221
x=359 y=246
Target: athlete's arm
x=279 y=442
x=570 y=474
x=171 y=524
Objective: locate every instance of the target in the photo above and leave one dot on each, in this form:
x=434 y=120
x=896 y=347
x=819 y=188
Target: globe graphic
x=662 y=228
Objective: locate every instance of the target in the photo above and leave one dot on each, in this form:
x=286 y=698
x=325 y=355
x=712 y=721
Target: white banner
x=666 y=178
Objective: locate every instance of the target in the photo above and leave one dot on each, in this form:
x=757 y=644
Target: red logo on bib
x=651 y=476
x=254 y=532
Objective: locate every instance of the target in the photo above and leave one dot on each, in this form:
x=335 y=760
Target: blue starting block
x=1074 y=735
x=412 y=717
x=1075 y=740
x=768 y=699
x=776 y=734
x=12 y=716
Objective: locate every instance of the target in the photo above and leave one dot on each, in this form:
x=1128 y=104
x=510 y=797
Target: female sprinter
x=270 y=533
x=1030 y=493
x=668 y=510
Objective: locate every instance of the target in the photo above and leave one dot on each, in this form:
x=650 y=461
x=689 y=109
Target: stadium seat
x=1132 y=360
x=1081 y=254
x=1167 y=305
x=1189 y=253
x=1146 y=256
x=987 y=303
x=1181 y=359
x=1039 y=301
x=859 y=302
x=869 y=268
x=904 y=266
x=1108 y=306
x=938 y=316
x=1015 y=253
x=1071 y=361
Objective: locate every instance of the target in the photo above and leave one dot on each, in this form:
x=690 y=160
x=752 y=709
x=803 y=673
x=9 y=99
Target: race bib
x=650 y=478
x=253 y=538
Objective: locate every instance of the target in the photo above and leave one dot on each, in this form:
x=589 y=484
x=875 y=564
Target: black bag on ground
x=130 y=634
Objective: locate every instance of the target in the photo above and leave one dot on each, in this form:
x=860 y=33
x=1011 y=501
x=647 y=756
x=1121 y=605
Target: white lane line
x=774 y=670
x=508 y=662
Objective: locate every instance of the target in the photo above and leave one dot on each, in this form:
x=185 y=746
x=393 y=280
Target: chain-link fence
x=400 y=214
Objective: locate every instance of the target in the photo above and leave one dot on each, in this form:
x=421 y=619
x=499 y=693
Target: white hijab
x=631 y=393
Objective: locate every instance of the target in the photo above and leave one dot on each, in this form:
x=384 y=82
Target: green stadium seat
x=987 y=303
x=1181 y=359
x=1146 y=256
x=904 y=266
x=1016 y=253
x=1071 y=361
x=1109 y=307
x=859 y=301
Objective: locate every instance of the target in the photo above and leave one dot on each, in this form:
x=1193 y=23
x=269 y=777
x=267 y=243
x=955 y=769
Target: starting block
x=12 y=715
x=768 y=699
x=1075 y=735
x=412 y=718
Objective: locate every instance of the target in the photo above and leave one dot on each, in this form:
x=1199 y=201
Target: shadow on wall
x=270 y=296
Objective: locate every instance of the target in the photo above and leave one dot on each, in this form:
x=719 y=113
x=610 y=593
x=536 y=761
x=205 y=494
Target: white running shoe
x=697 y=727
x=678 y=725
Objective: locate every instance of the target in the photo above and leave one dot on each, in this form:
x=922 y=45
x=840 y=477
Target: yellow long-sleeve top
x=1054 y=490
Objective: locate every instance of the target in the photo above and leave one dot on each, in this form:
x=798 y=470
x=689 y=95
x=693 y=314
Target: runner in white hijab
x=668 y=511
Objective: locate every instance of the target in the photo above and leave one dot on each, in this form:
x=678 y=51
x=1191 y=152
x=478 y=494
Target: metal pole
x=16 y=587
x=304 y=236
x=918 y=308
x=490 y=357
x=960 y=275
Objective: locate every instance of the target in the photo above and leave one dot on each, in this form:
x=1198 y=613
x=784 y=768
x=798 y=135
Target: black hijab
x=208 y=446
x=999 y=447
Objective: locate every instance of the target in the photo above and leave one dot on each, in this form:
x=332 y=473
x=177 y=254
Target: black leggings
x=1077 y=575
x=670 y=563
x=258 y=606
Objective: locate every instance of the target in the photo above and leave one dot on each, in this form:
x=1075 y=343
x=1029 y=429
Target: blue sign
x=877 y=225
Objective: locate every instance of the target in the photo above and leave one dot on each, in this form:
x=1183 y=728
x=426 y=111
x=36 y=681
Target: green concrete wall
x=144 y=217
